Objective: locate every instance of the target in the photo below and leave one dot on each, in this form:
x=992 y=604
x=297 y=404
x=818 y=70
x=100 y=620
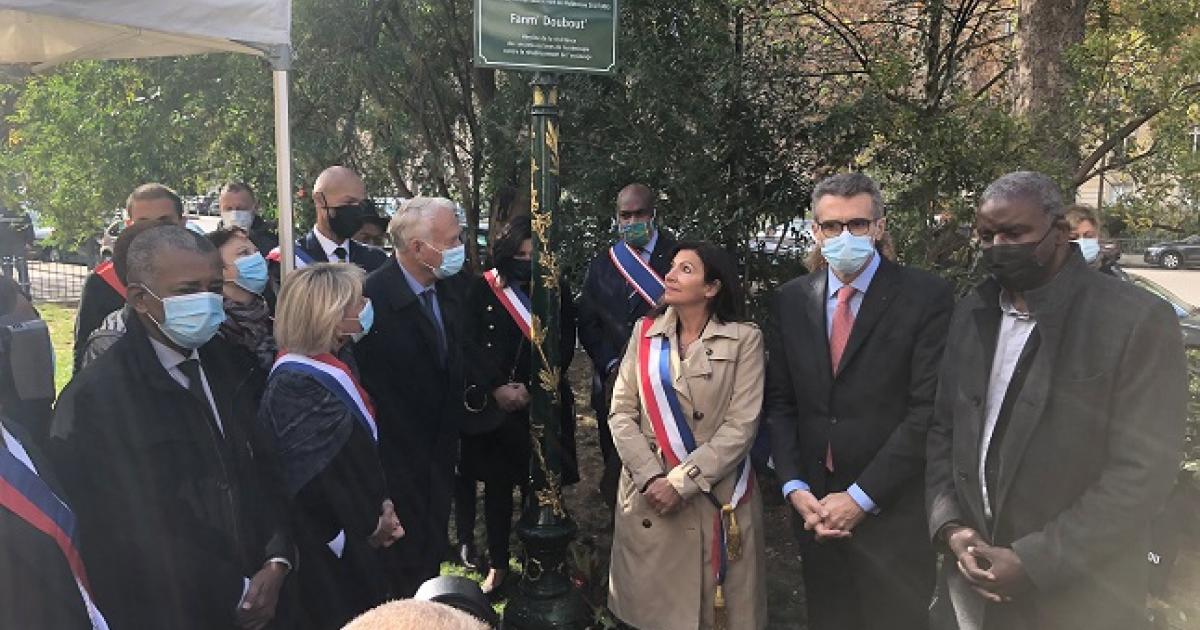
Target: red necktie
x=843 y=323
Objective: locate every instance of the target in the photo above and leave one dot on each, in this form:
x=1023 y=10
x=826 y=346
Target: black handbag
x=484 y=414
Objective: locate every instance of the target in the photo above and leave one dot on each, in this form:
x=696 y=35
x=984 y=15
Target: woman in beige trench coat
x=661 y=575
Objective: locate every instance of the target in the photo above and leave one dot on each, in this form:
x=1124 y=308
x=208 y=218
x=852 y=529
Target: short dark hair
x=146 y=246
x=120 y=253
x=728 y=305
x=220 y=236
x=148 y=192
x=517 y=231
x=237 y=186
x=849 y=185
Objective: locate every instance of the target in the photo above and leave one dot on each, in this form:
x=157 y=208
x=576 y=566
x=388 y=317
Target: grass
x=61 y=321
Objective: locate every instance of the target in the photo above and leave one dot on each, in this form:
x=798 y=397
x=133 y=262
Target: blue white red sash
x=301 y=257
x=513 y=299
x=336 y=377
x=676 y=441
x=26 y=495
x=637 y=272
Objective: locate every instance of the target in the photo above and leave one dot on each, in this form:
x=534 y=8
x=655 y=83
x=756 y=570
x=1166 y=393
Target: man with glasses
x=1057 y=430
x=621 y=286
x=851 y=377
x=340 y=196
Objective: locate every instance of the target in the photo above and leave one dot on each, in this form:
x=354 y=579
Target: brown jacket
x=661 y=572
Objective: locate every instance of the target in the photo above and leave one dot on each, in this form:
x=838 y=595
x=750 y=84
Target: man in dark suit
x=412 y=365
x=610 y=305
x=852 y=372
x=1057 y=430
x=239 y=208
x=103 y=292
x=340 y=196
x=38 y=588
x=180 y=513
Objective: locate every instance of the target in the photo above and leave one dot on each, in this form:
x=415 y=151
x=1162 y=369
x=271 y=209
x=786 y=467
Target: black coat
x=873 y=415
x=419 y=407
x=172 y=514
x=608 y=309
x=500 y=353
x=368 y=257
x=96 y=301
x=342 y=492
x=1089 y=456
x=37 y=588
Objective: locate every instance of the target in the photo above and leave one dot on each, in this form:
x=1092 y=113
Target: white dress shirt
x=1015 y=328
x=170 y=360
x=328 y=246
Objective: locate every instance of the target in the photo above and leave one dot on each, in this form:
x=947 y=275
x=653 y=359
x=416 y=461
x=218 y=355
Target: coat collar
x=666 y=324
x=877 y=300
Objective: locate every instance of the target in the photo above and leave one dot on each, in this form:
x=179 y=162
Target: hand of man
x=662 y=496
x=511 y=397
x=1008 y=574
x=389 y=529
x=844 y=512
x=258 y=606
x=814 y=514
x=965 y=543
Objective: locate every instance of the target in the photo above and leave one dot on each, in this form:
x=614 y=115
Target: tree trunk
x=1043 y=81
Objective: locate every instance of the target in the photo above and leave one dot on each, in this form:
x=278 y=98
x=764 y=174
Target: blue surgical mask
x=237 y=219
x=190 y=320
x=847 y=253
x=1089 y=247
x=366 y=317
x=252 y=273
x=452 y=262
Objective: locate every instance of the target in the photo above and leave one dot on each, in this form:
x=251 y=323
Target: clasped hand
x=831 y=518
x=995 y=573
x=511 y=397
x=662 y=496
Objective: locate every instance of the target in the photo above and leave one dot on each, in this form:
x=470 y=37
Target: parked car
x=1189 y=315
x=1175 y=254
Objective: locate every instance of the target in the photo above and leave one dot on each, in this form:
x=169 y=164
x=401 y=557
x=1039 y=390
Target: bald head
x=338 y=186
x=636 y=193
x=635 y=204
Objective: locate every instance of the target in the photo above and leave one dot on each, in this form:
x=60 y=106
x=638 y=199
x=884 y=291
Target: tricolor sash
x=676 y=441
x=108 y=273
x=301 y=257
x=637 y=272
x=336 y=377
x=513 y=299
x=26 y=495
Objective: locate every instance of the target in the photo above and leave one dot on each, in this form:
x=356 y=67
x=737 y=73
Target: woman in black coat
x=498 y=383
x=323 y=424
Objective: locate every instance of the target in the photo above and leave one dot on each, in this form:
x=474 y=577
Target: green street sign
x=550 y=35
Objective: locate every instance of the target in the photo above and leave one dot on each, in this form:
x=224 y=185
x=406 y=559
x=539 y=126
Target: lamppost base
x=547 y=600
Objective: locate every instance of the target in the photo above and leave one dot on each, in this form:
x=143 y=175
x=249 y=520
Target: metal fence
x=47 y=281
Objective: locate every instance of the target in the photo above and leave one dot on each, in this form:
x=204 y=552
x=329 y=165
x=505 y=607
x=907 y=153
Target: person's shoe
x=467 y=557
x=494 y=582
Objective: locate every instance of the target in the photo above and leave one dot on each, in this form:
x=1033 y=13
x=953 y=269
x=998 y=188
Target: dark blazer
x=37 y=588
x=336 y=484
x=96 y=301
x=368 y=257
x=499 y=351
x=873 y=415
x=172 y=514
x=1087 y=454
x=608 y=307
x=418 y=405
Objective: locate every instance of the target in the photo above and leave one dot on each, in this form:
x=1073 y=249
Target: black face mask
x=1017 y=267
x=346 y=220
x=520 y=271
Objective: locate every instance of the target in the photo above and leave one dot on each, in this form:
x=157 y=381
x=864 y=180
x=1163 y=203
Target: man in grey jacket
x=1057 y=430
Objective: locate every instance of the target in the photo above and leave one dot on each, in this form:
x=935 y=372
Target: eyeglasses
x=857 y=227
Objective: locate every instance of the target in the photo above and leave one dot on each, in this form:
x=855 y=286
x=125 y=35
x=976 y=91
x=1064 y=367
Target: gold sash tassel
x=733 y=533
x=720 y=616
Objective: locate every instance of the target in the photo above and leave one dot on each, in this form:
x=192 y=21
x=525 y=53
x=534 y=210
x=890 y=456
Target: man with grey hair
x=1056 y=432
x=851 y=376
x=180 y=516
x=411 y=363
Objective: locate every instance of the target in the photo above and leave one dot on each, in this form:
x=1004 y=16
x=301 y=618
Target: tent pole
x=283 y=172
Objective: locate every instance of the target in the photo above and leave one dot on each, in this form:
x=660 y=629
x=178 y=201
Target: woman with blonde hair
x=323 y=425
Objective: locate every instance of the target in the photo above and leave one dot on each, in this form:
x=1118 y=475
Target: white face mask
x=1089 y=247
x=237 y=218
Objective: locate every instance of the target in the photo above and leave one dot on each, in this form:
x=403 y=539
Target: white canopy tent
x=39 y=34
